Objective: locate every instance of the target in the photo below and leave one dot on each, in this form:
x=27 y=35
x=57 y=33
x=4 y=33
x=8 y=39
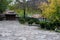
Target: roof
x=10 y=12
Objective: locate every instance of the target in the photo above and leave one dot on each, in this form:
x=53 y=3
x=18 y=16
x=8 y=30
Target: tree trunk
x=24 y=3
x=24 y=13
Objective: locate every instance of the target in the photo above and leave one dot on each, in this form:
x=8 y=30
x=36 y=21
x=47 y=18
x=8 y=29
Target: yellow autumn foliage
x=50 y=9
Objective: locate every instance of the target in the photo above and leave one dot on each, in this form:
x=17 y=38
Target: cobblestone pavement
x=12 y=30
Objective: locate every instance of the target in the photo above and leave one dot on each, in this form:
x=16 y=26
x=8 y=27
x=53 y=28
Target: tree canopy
x=3 y=5
x=51 y=10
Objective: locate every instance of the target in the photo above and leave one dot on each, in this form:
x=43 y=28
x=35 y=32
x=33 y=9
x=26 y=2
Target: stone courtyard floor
x=13 y=30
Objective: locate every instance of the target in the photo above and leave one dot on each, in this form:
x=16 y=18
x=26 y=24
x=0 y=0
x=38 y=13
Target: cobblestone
x=13 y=30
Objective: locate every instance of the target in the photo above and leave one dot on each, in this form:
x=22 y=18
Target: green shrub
x=57 y=31
x=43 y=24
x=50 y=26
x=56 y=23
x=47 y=25
x=27 y=19
x=22 y=20
x=36 y=21
x=30 y=21
x=33 y=20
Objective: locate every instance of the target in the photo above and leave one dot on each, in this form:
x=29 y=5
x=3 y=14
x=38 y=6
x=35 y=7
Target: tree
x=51 y=10
x=3 y=5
